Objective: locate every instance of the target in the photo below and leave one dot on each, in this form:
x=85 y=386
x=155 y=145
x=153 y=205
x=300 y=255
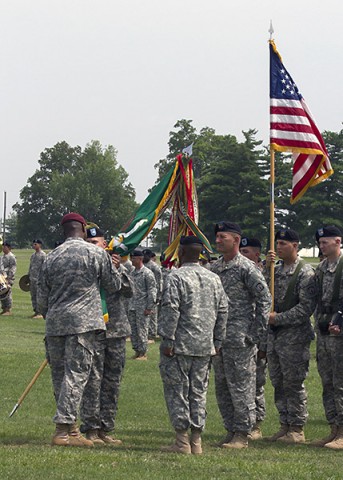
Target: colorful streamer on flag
x=292 y=128
x=177 y=191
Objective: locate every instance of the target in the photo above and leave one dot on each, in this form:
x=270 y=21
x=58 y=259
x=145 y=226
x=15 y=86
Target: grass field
x=142 y=423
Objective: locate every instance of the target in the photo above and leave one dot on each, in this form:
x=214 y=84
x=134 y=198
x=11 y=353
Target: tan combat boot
x=337 y=443
x=61 y=437
x=181 y=444
x=322 y=441
x=280 y=433
x=108 y=440
x=195 y=442
x=93 y=436
x=7 y=312
x=142 y=357
x=256 y=433
x=227 y=439
x=240 y=440
x=76 y=439
x=295 y=434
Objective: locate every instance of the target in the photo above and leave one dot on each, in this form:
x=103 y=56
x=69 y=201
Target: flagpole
x=272 y=221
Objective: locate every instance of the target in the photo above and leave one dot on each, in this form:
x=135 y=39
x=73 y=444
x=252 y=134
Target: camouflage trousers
x=153 y=324
x=70 y=359
x=329 y=357
x=288 y=366
x=139 y=324
x=100 y=397
x=33 y=293
x=185 y=383
x=261 y=376
x=6 y=303
x=235 y=385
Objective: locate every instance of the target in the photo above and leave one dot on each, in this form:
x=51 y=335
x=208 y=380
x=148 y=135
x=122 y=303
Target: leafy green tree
x=90 y=182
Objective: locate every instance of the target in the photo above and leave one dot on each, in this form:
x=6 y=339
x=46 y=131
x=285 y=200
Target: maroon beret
x=73 y=217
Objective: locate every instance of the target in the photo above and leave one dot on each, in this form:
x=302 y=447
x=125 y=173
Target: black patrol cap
x=93 y=232
x=250 y=242
x=190 y=240
x=287 y=234
x=227 y=227
x=329 y=231
x=7 y=244
x=137 y=253
x=36 y=240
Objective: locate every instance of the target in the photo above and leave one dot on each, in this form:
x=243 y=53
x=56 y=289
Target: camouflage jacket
x=144 y=290
x=156 y=270
x=249 y=301
x=294 y=324
x=69 y=287
x=9 y=267
x=118 y=323
x=194 y=311
x=36 y=262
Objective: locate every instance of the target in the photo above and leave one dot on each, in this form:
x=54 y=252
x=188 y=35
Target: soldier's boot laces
x=227 y=439
x=280 y=433
x=256 y=433
x=295 y=434
x=240 y=440
x=195 y=442
x=61 y=435
x=76 y=439
x=109 y=440
x=93 y=436
x=329 y=438
x=181 y=444
x=337 y=443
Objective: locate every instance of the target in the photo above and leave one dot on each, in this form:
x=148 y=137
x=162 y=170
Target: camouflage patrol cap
x=329 y=231
x=288 y=235
x=227 y=227
x=250 y=242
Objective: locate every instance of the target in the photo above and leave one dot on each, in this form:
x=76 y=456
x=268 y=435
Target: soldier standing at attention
x=289 y=336
x=150 y=262
x=36 y=262
x=141 y=304
x=329 y=282
x=8 y=267
x=192 y=325
x=251 y=249
x=69 y=299
x=249 y=306
x=101 y=394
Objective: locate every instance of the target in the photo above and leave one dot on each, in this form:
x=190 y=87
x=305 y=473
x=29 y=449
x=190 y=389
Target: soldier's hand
x=168 y=351
x=261 y=354
x=334 y=329
x=147 y=312
x=270 y=257
x=271 y=320
x=115 y=260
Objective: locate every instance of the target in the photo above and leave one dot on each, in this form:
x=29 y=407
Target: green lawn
x=142 y=423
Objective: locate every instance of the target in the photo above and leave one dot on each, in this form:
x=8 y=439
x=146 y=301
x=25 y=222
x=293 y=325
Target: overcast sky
x=124 y=71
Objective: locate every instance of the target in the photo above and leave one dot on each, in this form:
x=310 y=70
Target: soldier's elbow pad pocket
x=169 y=370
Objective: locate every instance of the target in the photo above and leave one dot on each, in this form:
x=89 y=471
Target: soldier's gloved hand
x=148 y=312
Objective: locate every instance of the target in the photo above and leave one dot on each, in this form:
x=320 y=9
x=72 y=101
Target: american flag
x=292 y=128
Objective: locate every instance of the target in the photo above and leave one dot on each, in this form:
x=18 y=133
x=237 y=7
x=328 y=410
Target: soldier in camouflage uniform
x=100 y=396
x=69 y=299
x=289 y=336
x=8 y=269
x=329 y=282
x=251 y=249
x=192 y=325
x=36 y=262
x=235 y=367
x=141 y=305
x=149 y=262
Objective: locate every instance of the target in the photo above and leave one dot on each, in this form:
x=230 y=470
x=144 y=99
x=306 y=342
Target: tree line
x=232 y=181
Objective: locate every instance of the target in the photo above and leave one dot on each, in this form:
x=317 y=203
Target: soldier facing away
x=192 y=326
x=36 y=262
